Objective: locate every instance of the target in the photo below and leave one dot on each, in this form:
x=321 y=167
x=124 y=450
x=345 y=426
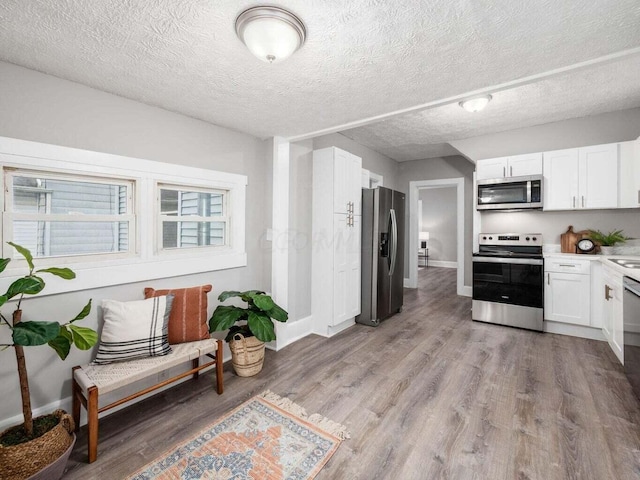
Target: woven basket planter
x=22 y=461
x=247 y=355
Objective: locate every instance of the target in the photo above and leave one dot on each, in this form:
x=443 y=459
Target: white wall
x=46 y=109
x=439 y=216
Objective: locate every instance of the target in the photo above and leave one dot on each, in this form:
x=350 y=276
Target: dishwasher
x=631 y=309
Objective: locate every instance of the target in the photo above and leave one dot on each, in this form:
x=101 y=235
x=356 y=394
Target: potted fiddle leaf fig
x=249 y=328
x=41 y=443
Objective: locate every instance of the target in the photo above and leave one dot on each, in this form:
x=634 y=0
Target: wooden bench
x=91 y=381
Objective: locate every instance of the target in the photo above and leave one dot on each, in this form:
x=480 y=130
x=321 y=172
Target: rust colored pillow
x=188 y=319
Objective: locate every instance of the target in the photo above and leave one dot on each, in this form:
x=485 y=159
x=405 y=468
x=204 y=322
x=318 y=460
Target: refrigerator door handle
x=394 y=241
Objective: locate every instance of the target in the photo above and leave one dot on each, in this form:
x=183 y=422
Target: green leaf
x=85 y=311
x=3 y=263
x=261 y=326
x=278 y=314
x=28 y=285
x=228 y=294
x=249 y=295
x=263 y=302
x=29 y=334
x=62 y=343
x=84 y=338
x=65 y=273
x=24 y=252
x=3 y=299
x=224 y=316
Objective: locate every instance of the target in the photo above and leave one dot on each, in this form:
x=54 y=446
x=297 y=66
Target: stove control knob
x=484 y=238
x=534 y=239
x=490 y=238
x=528 y=239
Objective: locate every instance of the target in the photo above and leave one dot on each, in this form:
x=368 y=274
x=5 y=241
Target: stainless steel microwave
x=513 y=193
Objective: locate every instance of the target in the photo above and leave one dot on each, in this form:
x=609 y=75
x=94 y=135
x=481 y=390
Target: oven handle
x=518 y=261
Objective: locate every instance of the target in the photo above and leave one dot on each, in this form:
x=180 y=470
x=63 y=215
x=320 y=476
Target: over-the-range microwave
x=513 y=193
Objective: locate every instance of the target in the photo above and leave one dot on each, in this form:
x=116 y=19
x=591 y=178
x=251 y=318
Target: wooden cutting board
x=569 y=239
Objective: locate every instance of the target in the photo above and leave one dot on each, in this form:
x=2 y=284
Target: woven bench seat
x=90 y=381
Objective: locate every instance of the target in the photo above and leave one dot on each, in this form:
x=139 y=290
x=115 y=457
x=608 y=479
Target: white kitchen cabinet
x=629 y=181
x=513 y=166
x=581 y=178
x=335 y=256
x=612 y=320
x=346 y=268
x=567 y=290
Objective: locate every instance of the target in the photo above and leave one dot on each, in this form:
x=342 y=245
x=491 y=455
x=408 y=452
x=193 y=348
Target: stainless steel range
x=508 y=273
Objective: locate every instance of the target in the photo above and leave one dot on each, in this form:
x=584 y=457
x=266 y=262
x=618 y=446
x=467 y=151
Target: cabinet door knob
x=607 y=291
x=574 y=202
x=582 y=201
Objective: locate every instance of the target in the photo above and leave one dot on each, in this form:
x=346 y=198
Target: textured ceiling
x=362 y=59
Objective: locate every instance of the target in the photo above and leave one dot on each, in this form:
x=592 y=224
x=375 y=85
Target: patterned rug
x=266 y=438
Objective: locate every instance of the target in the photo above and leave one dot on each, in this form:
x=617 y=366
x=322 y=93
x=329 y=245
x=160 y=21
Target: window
x=192 y=217
x=54 y=215
x=115 y=219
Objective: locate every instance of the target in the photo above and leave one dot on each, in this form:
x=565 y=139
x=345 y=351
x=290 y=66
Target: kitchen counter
x=604 y=259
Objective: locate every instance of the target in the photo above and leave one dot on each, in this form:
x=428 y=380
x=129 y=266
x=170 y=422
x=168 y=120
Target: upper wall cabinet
x=514 y=166
x=629 y=185
x=581 y=178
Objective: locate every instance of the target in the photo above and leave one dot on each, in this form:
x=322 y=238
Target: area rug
x=268 y=437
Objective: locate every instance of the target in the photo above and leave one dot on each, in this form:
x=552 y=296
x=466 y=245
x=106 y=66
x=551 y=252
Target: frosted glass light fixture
x=476 y=104
x=270 y=33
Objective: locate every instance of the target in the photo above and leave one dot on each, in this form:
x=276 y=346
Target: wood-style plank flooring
x=428 y=394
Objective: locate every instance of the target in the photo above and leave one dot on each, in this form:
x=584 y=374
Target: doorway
x=414 y=246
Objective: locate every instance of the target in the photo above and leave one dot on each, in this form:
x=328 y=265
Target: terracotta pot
x=42 y=458
x=247 y=355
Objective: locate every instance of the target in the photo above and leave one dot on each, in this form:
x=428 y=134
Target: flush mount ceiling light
x=476 y=104
x=270 y=33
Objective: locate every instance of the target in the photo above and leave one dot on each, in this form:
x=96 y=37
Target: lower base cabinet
x=612 y=320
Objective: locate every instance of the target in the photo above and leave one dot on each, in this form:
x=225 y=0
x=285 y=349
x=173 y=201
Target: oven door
x=514 y=281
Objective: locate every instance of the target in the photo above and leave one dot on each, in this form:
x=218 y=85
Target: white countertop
x=604 y=259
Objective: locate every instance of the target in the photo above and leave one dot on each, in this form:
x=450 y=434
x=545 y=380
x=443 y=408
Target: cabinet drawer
x=567 y=265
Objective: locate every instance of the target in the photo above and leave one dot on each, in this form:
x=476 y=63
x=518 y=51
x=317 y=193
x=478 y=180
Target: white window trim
x=9 y=215
x=225 y=218
x=146 y=264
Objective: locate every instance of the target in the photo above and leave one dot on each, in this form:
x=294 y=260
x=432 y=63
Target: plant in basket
x=43 y=442
x=249 y=328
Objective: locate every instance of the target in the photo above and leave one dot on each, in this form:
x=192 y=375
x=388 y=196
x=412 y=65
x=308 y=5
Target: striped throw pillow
x=188 y=319
x=134 y=329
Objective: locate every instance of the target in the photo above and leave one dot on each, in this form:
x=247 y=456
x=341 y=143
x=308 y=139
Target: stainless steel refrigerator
x=382 y=254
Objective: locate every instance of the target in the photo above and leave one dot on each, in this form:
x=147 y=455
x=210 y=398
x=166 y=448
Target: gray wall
x=46 y=109
x=578 y=132
x=371 y=160
x=436 y=169
x=439 y=218
x=552 y=224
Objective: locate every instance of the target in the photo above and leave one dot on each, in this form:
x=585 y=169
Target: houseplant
x=607 y=240
x=249 y=328
x=42 y=442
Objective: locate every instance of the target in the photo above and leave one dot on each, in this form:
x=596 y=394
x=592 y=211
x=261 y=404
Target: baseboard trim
x=291 y=332
x=466 y=291
x=443 y=264
x=574 y=330
x=406 y=283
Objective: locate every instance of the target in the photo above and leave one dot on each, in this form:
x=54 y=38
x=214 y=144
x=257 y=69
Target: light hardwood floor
x=428 y=394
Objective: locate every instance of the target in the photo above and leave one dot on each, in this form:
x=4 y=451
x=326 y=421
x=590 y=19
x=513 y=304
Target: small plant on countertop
x=608 y=239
